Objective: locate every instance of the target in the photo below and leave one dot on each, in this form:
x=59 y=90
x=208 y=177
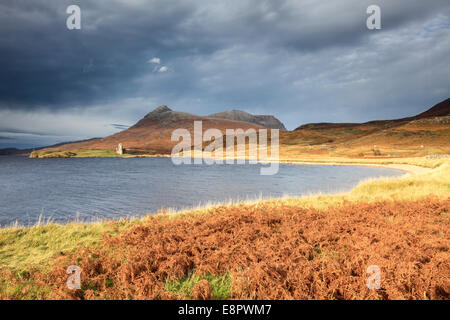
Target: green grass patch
x=91 y=153
x=37 y=246
x=22 y=290
x=80 y=153
x=220 y=285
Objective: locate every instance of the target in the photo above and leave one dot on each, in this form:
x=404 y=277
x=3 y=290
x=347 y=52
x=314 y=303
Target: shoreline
x=406 y=168
x=411 y=165
x=40 y=245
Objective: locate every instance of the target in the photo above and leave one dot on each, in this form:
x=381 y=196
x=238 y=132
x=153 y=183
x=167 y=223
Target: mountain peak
x=239 y=115
x=161 y=109
x=158 y=111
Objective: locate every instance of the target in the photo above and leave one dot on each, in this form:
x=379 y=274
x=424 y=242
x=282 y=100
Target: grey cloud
x=300 y=60
x=44 y=64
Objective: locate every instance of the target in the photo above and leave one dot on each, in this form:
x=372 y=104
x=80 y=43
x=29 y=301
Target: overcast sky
x=302 y=61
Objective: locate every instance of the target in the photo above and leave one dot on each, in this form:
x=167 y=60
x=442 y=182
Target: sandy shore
x=408 y=168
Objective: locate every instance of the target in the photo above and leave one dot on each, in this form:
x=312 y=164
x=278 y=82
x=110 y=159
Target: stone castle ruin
x=120 y=150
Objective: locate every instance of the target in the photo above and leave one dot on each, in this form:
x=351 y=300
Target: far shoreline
x=406 y=168
x=341 y=161
x=410 y=170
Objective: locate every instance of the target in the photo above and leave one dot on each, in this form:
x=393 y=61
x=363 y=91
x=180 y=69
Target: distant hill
x=25 y=152
x=11 y=151
x=152 y=134
x=262 y=120
x=422 y=134
x=439 y=110
x=427 y=132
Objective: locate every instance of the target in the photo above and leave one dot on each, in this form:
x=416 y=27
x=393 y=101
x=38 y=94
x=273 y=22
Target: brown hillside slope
x=439 y=110
x=152 y=134
x=427 y=132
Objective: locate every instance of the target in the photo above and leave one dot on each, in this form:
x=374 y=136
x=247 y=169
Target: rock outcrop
x=263 y=120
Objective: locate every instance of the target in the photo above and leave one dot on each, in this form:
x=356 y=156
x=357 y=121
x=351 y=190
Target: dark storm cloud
x=303 y=61
x=44 y=64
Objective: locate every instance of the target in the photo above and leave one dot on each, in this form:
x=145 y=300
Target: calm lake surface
x=97 y=188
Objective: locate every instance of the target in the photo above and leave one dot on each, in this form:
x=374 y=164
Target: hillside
x=425 y=133
x=152 y=134
x=419 y=135
x=25 y=152
x=439 y=110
